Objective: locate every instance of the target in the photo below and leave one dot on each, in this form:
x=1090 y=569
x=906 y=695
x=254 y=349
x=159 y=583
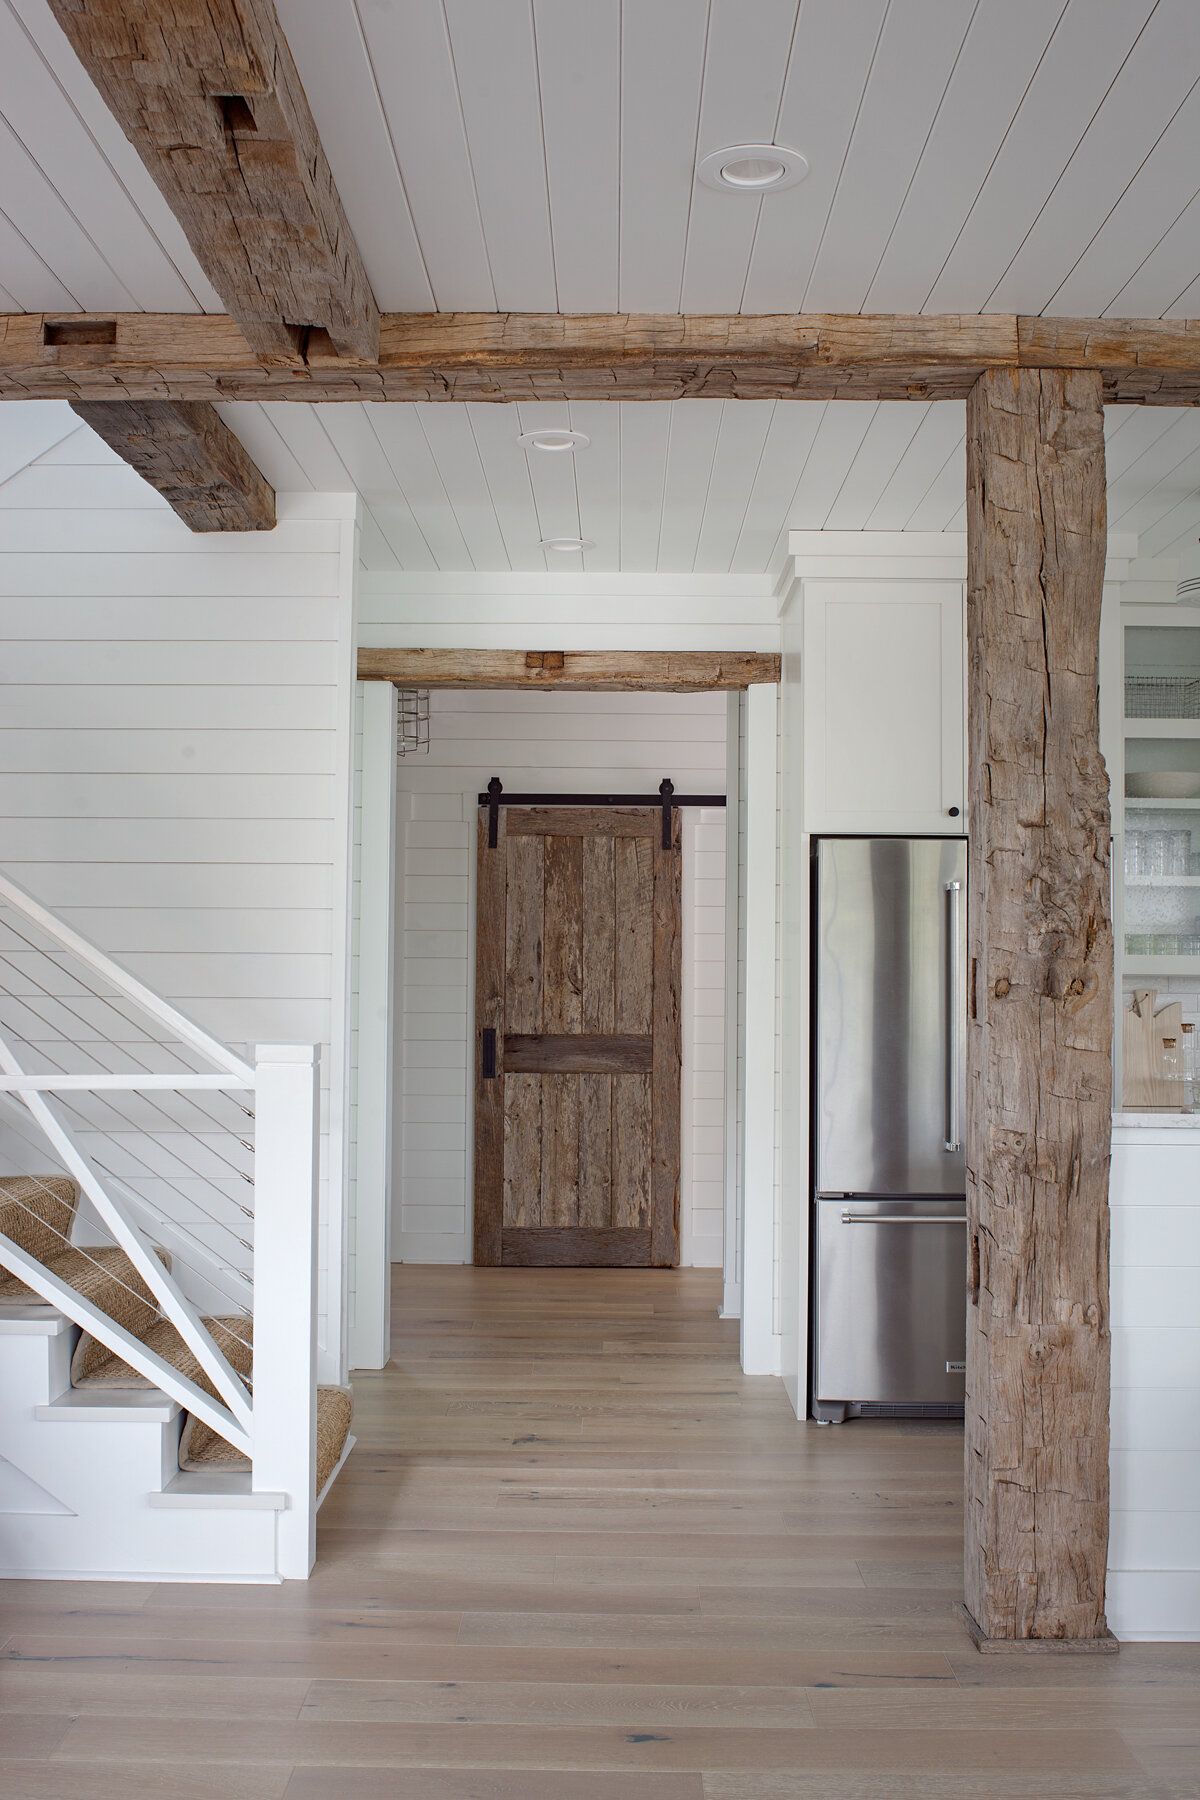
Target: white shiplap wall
x=171 y=750
x=588 y=743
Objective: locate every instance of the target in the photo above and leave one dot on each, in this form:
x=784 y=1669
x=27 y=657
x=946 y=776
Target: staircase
x=159 y=1413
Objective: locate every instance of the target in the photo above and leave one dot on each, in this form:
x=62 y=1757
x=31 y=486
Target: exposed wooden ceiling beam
x=670 y=671
x=186 y=450
x=601 y=356
x=209 y=96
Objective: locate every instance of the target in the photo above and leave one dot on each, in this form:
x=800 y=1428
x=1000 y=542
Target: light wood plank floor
x=578 y=1556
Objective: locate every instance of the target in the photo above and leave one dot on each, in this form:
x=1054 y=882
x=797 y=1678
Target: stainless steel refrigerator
x=889 y=983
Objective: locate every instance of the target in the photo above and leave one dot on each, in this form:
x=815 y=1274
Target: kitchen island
x=1154 y=1549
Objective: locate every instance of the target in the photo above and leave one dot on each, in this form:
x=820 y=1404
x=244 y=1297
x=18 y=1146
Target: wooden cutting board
x=1144 y=1085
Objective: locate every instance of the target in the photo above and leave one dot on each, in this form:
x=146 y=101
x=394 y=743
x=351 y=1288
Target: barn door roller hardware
x=665 y=798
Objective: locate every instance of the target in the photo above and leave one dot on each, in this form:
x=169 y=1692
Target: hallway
x=578 y=1556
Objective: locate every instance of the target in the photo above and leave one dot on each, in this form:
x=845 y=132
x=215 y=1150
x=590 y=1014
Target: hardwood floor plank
x=937 y=1632
x=385 y=1596
x=1170 y=1750
x=329 y=1625
x=555 y=1703
x=1048 y=1707
x=144 y=1781
x=376 y=1657
x=482 y=1784
x=677 y=1748
x=964 y=1784
x=33 y=1735
x=1138 y=1666
x=52 y=1685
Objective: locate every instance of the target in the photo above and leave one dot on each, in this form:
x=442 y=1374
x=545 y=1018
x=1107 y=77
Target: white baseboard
x=426 y=1247
x=1160 y=1637
x=138 y=1575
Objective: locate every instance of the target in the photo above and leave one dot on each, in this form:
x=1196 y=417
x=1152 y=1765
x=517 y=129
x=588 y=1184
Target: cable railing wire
x=143 y=1068
x=151 y=1173
x=176 y=1125
x=83 y=1250
x=234 y=1300
x=88 y=1045
x=188 y=1200
x=114 y=1000
x=168 y=1222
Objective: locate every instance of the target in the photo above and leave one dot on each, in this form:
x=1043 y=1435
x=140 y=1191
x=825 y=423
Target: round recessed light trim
x=752 y=168
x=554 y=441
x=565 y=545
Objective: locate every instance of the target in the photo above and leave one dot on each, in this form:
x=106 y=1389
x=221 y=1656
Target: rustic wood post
x=1039 y=1038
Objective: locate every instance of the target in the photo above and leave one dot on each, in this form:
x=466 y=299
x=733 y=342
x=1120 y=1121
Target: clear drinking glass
x=1179 y=844
x=1134 y=854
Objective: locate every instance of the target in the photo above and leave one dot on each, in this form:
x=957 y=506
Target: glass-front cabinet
x=1160 y=893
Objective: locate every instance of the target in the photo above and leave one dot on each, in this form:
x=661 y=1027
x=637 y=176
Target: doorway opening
x=575 y=939
x=575 y=1146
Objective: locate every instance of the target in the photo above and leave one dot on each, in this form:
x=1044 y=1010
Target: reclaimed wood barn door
x=577 y=1040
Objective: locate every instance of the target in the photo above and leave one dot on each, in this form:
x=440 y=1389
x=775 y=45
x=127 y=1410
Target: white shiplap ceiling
x=702 y=486
x=710 y=486
x=1027 y=155
x=1015 y=155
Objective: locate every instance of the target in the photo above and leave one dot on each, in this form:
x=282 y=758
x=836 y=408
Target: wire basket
x=1162 y=696
x=412 y=722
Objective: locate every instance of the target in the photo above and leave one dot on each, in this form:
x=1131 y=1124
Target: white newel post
x=287 y=1116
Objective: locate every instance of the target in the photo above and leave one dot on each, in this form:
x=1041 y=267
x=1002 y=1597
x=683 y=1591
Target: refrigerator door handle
x=954 y=1006
x=853 y=1218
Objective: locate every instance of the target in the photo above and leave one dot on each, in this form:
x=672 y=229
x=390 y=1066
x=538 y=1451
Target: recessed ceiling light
x=752 y=168
x=554 y=440
x=565 y=545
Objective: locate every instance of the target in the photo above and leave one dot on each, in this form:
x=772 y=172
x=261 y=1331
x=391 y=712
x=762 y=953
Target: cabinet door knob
x=954 y=812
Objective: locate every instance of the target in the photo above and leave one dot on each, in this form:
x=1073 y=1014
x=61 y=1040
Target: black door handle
x=489 y=1054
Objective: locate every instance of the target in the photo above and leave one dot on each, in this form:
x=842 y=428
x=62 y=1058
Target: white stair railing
x=154 y=1152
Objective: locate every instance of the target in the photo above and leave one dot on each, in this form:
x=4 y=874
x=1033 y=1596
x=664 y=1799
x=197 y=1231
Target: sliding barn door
x=577 y=1050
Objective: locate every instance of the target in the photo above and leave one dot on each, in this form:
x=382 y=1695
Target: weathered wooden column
x=1039 y=1038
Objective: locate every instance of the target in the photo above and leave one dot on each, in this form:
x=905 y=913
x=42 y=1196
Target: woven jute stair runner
x=37 y=1213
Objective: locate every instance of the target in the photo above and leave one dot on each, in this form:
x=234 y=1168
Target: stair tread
x=28 y=1318
x=217 y=1490
x=101 y=1404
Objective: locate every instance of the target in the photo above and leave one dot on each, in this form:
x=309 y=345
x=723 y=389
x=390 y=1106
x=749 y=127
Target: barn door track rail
x=666 y=798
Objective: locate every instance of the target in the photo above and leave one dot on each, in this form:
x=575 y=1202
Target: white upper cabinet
x=884 y=713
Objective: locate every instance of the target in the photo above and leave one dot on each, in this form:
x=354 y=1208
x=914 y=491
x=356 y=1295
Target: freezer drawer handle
x=852 y=1218
x=954 y=1006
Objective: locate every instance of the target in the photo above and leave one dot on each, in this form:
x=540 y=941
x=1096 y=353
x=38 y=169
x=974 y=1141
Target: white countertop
x=1156 y=1121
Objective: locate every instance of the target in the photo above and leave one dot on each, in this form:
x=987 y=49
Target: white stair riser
x=34 y=1370
x=104 y=1471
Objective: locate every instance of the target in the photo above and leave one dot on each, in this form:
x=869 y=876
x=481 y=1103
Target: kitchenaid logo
x=956 y=1368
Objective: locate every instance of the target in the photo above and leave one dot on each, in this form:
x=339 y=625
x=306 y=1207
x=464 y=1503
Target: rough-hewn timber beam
x=679 y=672
x=186 y=450
x=208 y=94
x=1039 y=1034
x=551 y=356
